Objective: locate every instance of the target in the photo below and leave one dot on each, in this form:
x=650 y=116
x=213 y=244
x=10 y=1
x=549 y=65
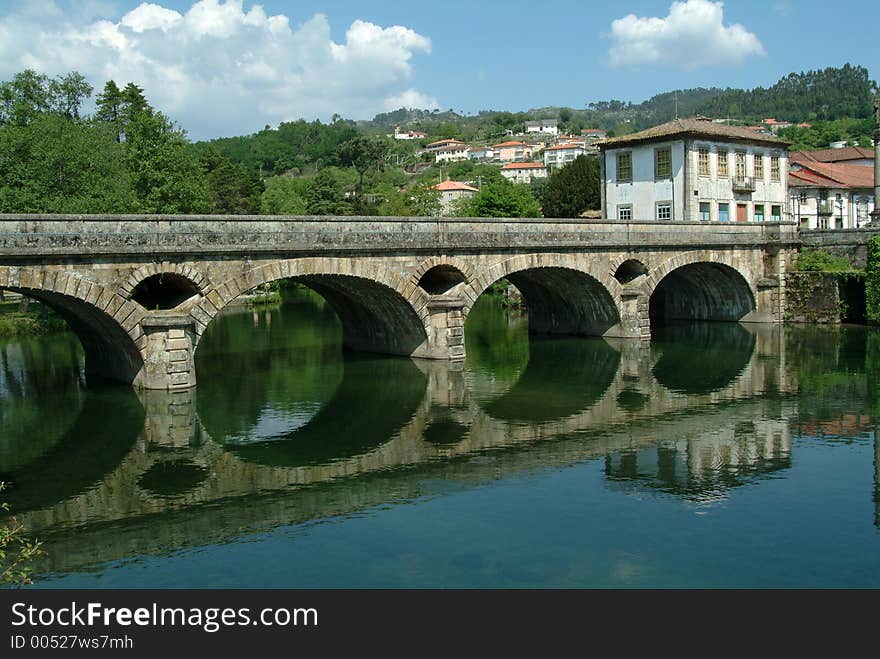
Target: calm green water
x=718 y=455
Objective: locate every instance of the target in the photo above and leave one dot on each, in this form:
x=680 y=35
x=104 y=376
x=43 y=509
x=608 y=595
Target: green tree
x=362 y=153
x=233 y=191
x=572 y=189
x=500 y=198
x=59 y=165
x=424 y=200
x=109 y=107
x=24 y=98
x=68 y=92
x=324 y=196
x=284 y=196
x=165 y=173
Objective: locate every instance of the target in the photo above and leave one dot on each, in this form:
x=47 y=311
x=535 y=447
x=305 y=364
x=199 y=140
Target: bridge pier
x=169 y=363
x=444 y=329
x=634 y=320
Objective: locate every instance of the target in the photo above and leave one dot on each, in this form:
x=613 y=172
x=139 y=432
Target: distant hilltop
x=826 y=94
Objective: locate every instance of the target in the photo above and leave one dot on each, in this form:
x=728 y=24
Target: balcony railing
x=825 y=207
x=743 y=183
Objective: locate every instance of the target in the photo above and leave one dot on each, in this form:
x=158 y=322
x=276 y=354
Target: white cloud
x=411 y=98
x=693 y=35
x=223 y=68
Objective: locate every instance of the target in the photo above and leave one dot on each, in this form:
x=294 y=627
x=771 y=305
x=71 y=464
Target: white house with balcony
x=694 y=170
x=523 y=172
x=830 y=195
x=453 y=152
x=481 y=153
x=563 y=154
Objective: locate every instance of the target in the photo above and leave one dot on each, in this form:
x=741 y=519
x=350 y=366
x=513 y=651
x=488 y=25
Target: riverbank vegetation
x=24 y=318
x=17 y=550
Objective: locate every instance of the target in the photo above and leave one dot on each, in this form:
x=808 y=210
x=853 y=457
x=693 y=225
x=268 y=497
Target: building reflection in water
x=286 y=430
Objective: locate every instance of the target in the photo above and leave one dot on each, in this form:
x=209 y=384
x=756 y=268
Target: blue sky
x=227 y=67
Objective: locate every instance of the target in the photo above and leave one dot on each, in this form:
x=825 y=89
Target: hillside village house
x=547 y=126
x=481 y=153
x=408 y=134
x=523 y=172
x=562 y=154
x=452 y=153
x=830 y=195
x=439 y=145
x=695 y=171
x=512 y=151
x=451 y=192
x=593 y=135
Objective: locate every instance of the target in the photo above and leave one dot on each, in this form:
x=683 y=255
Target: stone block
x=178 y=379
x=179 y=367
x=176 y=334
x=177 y=344
x=178 y=355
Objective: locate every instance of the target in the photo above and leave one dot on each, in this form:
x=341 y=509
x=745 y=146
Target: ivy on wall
x=872 y=282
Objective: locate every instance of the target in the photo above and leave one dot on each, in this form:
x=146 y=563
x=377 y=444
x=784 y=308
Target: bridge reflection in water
x=291 y=430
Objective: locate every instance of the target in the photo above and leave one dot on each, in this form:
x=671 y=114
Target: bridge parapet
x=72 y=235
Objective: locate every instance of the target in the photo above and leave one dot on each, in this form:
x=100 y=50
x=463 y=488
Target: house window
x=662 y=163
x=759 y=212
x=724 y=212
x=776 y=213
x=664 y=211
x=624 y=166
x=705 y=211
x=624 y=213
x=862 y=210
x=759 y=166
x=774 y=168
x=703 y=161
x=723 y=164
x=740 y=161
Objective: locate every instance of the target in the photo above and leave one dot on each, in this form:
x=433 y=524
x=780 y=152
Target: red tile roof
x=524 y=165
x=508 y=144
x=454 y=185
x=832 y=175
x=832 y=155
x=560 y=147
x=445 y=142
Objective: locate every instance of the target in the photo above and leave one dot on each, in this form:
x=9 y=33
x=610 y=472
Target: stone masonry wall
x=812 y=297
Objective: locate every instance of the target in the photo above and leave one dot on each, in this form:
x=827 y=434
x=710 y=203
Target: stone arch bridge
x=140 y=291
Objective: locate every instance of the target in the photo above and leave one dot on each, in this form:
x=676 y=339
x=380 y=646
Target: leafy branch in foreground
x=17 y=551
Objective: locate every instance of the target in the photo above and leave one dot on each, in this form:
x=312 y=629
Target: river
x=717 y=455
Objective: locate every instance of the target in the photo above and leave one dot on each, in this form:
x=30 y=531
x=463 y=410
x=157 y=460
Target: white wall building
x=562 y=154
x=695 y=171
x=481 y=153
x=831 y=195
x=547 y=126
x=451 y=192
x=523 y=172
x=452 y=153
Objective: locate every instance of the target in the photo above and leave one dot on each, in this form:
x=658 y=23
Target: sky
x=230 y=67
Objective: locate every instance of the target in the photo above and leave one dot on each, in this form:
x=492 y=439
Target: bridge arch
x=164 y=285
x=106 y=324
x=562 y=296
x=378 y=310
x=700 y=286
